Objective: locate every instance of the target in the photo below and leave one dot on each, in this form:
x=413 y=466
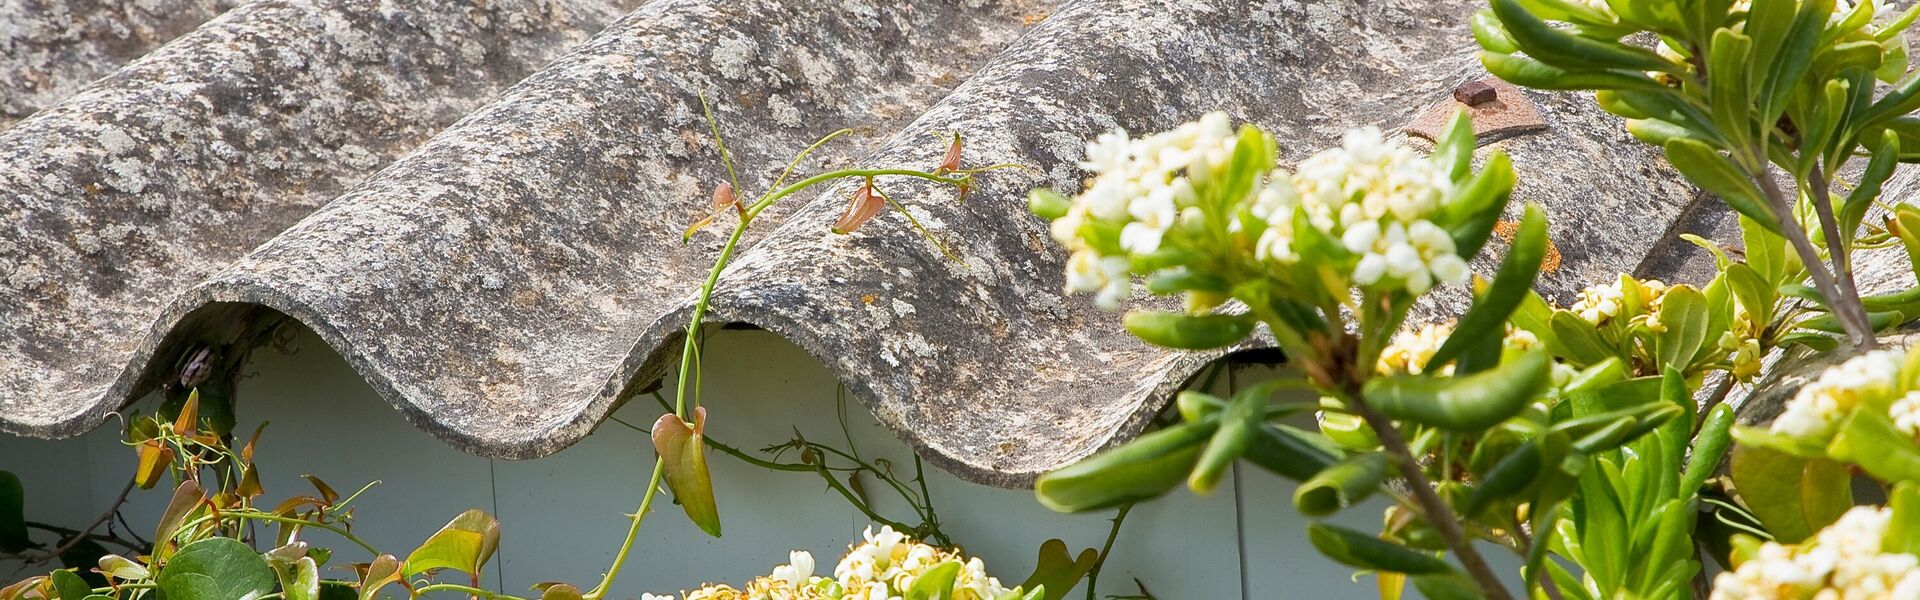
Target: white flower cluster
x=1845 y=561
x=1600 y=302
x=1375 y=197
x=1144 y=183
x=1411 y=348
x=881 y=568
x=1817 y=409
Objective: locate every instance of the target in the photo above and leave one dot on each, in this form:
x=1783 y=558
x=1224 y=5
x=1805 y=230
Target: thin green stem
x=713 y=126
x=337 y=530
x=464 y=589
x=1106 y=549
x=845 y=173
x=924 y=232
x=633 y=532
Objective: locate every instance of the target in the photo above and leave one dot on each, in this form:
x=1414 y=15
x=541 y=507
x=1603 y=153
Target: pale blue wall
x=562 y=514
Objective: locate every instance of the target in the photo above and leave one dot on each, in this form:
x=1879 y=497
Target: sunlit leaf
x=1189 y=332
x=69 y=585
x=384 y=571
x=1469 y=403
x=299 y=580
x=465 y=544
x=185 y=499
x=683 y=448
x=1485 y=323
x=123 y=568
x=935 y=583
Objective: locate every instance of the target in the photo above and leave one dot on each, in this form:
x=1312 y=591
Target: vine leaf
x=216 y=569
x=1058 y=570
x=186 y=498
x=683 y=448
x=465 y=544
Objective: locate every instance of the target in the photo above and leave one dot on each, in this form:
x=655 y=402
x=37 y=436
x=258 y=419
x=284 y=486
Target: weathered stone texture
x=156 y=177
x=511 y=280
x=50 y=48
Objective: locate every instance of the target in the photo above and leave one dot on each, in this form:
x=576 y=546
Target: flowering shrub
x=887 y=566
x=1498 y=423
x=1858 y=556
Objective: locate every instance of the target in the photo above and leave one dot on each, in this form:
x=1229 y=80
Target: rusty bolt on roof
x=1474 y=93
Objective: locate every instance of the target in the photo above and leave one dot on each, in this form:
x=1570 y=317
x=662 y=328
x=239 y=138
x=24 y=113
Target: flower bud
x=723 y=196
x=952 y=161
x=865 y=205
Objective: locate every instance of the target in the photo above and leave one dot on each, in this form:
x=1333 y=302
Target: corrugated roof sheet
x=507 y=281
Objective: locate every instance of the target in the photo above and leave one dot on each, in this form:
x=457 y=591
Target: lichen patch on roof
x=492 y=239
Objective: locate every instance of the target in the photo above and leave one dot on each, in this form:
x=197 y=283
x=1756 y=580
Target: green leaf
x=216 y=569
x=1048 y=204
x=684 y=452
x=300 y=579
x=936 y=583
x=13 y=514
x=69 y=585
x=1683 y=310
x=1718 y=175
x=1906 y=226
x=1143 y=468
x=1792 y=496
x=1237 y=427
x=1355 y=549
x=1485 y=323
x=1709 y=448
x=1344 y=484
x=1752 y=291
x=1476 y=207
x=1886 y=156
x=1290 y=452
x=1057 y=571
x=1561 y=49
x=1576 y=340
x=1793 y=58
x=1869 y=439
x=123 y=568
x=1446 y=587
x=1189 y=332
x=465 y=544
x=186 y=499
x=1488 y=32
x=1454 y=151
x=1518 y=471
x=1728 y=89
x=1527 y=72
x=1469 y=403
x=1903 y=530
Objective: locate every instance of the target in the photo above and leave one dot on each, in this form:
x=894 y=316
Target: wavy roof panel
x=509 y=280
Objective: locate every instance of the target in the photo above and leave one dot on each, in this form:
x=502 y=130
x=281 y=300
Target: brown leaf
x=862 y=208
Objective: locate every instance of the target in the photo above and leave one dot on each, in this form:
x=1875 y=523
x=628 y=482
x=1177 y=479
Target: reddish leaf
x=862 y=208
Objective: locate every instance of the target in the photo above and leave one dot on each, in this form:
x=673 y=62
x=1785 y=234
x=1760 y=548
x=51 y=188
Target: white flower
x=1816 y=410
x=1906 y=414
x=1842 y=562
x=1087 y=271
x=650 y=596
x=1153 y=216
x=798 y=570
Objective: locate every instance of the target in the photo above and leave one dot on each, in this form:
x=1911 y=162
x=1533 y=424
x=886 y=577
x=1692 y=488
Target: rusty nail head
x=1475 y=93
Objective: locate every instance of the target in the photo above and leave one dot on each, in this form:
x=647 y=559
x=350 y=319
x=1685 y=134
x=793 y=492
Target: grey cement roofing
x=479 y=204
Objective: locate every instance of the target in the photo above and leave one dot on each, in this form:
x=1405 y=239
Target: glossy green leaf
x=1290 y=452
x=1903 y=530
x=1792 y=58
x=186 y=499
x=1446 y=587
x=1718 y=175
x=216 y=569
x=1517 y=471
x=1709 y=448
x=684 y=452
x=1058 y=571
x=560 y=591
x=1355 y=549
x=1869 y=438
x=13 y=514
x=69 y=585
x=1485 y=323
x=1684 y=312
x=1906 y=226
x=300 y=579
x=123 y=568
x=1576 y=340
x=465 y=544
x=1752 y=291
x=1476 y=206
x=1470 y=403
x=1792 y=496
x=1557 y=47
x=1454 y=151
x=1189 y=332
x=1492 y=36
x=1729 y=87
x=935 y=583
x=1527 y=72
x=1344 y=484
x=1238 y=425
x=1143 y=468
